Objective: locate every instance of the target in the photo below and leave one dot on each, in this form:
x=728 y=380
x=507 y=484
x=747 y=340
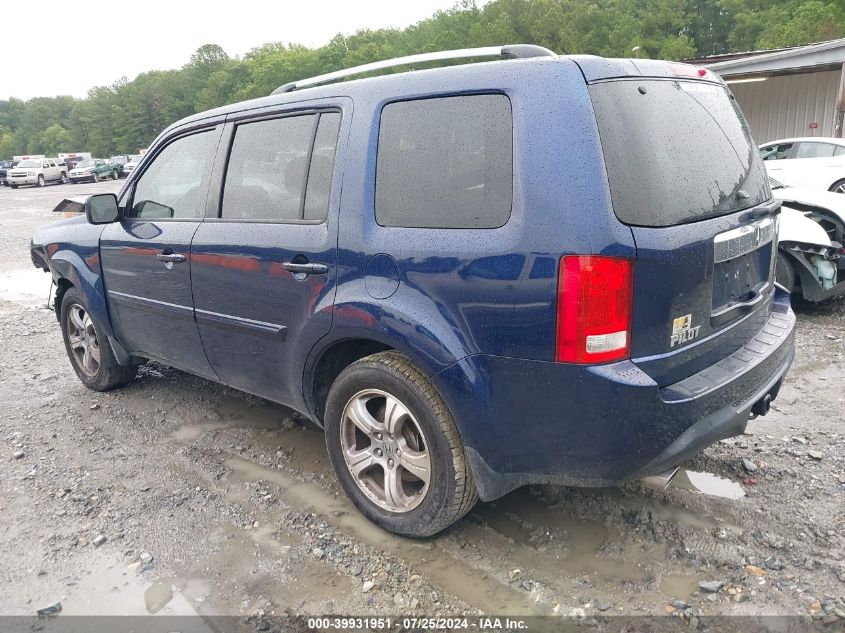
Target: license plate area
x=742 y=268
x=741 y=279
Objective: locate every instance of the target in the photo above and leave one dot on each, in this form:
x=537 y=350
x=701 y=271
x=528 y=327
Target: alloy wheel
x=82 y=339
x=385 y=450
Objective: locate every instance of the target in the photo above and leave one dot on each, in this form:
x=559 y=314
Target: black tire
x=109 y=374
x=95 y=177
x=838 y=186
x=785 y=273
x=115 y=175
x=63 y=178
x=451 y=491
x=73 y=181
x=13 y=186
x=40 y=182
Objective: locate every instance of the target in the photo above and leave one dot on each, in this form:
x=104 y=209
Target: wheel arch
x=70 y=269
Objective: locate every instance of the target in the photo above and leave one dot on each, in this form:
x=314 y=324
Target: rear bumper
x=526 y=422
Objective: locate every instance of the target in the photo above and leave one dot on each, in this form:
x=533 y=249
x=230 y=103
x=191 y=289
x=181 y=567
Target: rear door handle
x=306 y=269
x=172 y=258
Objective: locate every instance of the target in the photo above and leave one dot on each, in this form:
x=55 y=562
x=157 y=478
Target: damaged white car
x=811 y=259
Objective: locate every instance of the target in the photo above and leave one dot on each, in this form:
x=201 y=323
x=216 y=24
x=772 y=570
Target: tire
x=425 y=438
x=13 y=186
x=785 y=273
x=838 y=186
x=115 y=175
x=40 y=182
x=63 y=178
x=93 y=362
x=95 y=177
x=73 y=181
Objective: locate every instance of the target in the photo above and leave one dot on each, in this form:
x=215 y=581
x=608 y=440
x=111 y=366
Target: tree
x=127 y=115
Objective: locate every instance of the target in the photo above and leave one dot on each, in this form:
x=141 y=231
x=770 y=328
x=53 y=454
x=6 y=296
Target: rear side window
x=273 y=175
x=815 y=150
x=445 y=163
x=676 y=151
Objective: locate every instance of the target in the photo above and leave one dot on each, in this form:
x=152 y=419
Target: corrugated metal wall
x=784 y=106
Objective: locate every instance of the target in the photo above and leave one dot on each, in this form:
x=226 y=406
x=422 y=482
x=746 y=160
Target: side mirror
x=102 y=208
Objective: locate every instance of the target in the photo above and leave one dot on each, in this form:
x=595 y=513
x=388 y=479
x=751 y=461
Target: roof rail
x=510 y=51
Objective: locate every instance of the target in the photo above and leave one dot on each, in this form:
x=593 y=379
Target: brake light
x=686 y=70
x=594 y=298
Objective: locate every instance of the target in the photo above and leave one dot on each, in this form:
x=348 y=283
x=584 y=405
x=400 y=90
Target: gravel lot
x=177 y=495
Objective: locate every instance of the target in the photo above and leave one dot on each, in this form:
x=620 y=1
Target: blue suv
x=535 y=269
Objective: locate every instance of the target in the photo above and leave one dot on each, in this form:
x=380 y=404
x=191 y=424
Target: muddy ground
x=177 y=495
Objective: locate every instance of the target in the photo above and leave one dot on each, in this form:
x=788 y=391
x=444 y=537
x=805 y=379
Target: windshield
x=676 y=151
x=85 y=163
x=31 y=162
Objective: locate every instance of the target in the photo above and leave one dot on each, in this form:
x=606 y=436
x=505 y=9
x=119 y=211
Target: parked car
x=38 y=172
x=130 y=166
x=811 y=258
x=809 y=163
x=5 y=166
x=543 y=270
x=93 y=170
x=119 y=162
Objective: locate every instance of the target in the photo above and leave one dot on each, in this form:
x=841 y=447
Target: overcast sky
x=65 y=47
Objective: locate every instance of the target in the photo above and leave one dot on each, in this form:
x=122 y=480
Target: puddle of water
x=190 y=432
x=514 y=516
x=158 y=596
x=471 y=585
x=707 y=483
x=28 y=286
x=679 y=586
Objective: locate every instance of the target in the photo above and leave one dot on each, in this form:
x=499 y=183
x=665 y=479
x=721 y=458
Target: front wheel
x=40 y=180
x=115 y=175
x=88 y=348
x=395 y=448
x=95 y=177
x=63 y=178
x=838 y=186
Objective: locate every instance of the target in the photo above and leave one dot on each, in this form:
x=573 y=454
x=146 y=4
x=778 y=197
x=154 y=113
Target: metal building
x=788 y=92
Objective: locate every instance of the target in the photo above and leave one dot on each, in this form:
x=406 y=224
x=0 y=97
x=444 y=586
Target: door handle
x=171 y=258
x=305 y=269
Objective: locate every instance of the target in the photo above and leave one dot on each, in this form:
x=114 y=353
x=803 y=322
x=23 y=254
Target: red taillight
x=686 y=70
x=594 y=297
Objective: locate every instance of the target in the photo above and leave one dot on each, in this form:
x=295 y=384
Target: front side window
x=776 y=152
x=445 y=163
x=815 y=150
x=273 y=175
x=170 y=187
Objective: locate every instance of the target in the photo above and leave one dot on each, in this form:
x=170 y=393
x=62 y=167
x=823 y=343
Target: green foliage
x=127 y=115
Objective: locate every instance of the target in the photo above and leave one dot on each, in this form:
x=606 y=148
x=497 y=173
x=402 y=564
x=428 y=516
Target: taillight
x=594 y=297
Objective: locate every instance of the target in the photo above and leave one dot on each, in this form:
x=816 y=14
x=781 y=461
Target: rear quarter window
x=676 y=151
x=445 y=163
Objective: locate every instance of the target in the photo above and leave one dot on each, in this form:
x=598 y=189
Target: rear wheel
x=88 y=348
x=115 y=175
x=785 y=273
x=838 y=186
x=395 y=447
x=95 y=177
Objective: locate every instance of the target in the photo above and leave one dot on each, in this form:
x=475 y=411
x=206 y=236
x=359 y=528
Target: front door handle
x=305 y=269
x=170 y=258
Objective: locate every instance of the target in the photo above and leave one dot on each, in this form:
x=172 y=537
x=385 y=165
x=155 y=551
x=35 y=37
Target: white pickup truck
x=37 y=171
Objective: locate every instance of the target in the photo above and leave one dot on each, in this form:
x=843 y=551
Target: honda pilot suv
x=535 y=269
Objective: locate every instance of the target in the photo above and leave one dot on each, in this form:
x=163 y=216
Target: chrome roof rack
x=511 y=51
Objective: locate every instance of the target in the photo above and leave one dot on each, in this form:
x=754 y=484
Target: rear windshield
x=676 y=151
